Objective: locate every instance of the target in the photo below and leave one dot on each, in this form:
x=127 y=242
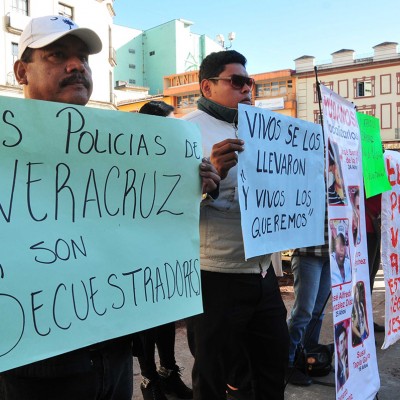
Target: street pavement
x=388 y=360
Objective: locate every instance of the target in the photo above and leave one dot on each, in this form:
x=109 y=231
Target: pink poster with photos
x=355 y=355
x=391 y=249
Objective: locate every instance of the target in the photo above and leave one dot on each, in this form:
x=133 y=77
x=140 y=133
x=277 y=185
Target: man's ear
x=205 y=87
x=20 y=72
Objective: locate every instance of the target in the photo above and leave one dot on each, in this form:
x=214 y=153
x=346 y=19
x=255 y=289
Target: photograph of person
x=354 y=194
x=340 y=261
x=342 y=357
x=336 y=190
x=359 y=324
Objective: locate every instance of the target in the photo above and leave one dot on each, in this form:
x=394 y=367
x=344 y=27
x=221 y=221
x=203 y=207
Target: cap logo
x=66 y=21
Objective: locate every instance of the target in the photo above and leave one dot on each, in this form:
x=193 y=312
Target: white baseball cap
x=43 y=31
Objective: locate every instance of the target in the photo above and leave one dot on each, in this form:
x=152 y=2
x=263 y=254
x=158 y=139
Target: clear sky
x=272 y=33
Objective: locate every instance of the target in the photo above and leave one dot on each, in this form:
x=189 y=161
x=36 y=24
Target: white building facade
x=371 y=83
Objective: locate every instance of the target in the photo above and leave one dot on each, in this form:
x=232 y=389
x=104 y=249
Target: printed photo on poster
x=336 y=189
x=354 y=194
x=342 y=353
x=340 y=255
x=359 y=321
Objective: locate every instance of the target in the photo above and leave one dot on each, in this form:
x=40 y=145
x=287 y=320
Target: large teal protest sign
x=281 y=182
x=99 y=226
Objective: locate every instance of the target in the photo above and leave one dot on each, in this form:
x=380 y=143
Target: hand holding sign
x=224 y=156
x=210 y=177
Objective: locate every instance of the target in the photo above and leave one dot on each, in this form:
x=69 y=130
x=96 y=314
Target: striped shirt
x=316 y=251
x=333 y=198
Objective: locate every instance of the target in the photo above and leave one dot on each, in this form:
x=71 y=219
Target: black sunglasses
x=237 y=81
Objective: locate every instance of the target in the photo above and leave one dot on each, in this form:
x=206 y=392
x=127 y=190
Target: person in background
x=342 y=358
x=340 y=263
x=355 y=222
x=53 y=65
x=312 y=285
x=336 y=191
x=159 y=108
x=373 y=228
x=167 y=378
x=359 y=323
x=241 y=298
x=239 y=384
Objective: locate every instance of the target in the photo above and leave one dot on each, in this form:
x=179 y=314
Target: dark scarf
x=217 y=111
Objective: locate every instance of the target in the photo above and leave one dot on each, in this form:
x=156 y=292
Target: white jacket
x=221 y=241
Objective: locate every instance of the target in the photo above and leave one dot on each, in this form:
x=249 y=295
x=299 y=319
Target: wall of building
x=169 y=48
x=276 y=91
x=130 y=62
x=379 y=74
x=159 y=55
x=187 y=46
x=128 y=45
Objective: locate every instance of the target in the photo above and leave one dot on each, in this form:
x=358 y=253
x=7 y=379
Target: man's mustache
x=75 y=78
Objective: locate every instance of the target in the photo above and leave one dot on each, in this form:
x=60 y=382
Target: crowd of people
x=244 y=324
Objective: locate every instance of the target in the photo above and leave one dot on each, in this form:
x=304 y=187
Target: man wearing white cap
x=53 y=60
x=53 y=66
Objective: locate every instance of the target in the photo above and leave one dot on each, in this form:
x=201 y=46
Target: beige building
x=95 y=14
x=272 y=90
x=371 y=83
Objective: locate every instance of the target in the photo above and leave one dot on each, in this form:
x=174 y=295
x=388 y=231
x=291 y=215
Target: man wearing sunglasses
x=241 y=298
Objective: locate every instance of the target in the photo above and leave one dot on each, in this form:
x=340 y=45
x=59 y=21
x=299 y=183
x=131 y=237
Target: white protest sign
x=280 y=182
x=355 y=362
x=391 y=249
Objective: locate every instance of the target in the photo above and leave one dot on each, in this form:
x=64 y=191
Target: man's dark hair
x=339 y=329
x=159 y=108
x=331 y=155
x=340 y=237
x=27 y=55
x=215 y=63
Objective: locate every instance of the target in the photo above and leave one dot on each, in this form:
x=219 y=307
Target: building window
x=397 y=130
x=364 y=87
x=152 y=53
x=188 y=101
x=20 y=6
x=275 y=88
x=329 y=85
x=317 y=117
x=132 y=81
x=65 y=11
x=112 y=53
x=131 y=51
x=398 y=82
x=14 y=57
x=14 y=52
x=343 y=88
x=386 y=84
x=386 y=116
x=132 y=66
x=369 y=109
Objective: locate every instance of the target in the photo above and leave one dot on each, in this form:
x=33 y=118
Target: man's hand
x=209 y=176
x=224 y=156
